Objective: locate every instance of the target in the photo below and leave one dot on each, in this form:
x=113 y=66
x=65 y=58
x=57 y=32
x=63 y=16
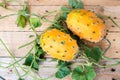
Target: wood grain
x=13 y=40
x=65 y=2
x=15 y=37
x=40 y=10
x=48 y=66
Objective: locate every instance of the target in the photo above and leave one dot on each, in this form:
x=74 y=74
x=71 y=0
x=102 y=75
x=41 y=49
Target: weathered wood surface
x=65 y=2
x=14 y=36
x=48 y=68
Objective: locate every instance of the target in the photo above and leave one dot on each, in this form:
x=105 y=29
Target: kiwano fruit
x=86 y=25
x=58 y=44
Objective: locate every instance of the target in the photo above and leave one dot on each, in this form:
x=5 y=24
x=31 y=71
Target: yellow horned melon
x=58 y=44
x=86 y=25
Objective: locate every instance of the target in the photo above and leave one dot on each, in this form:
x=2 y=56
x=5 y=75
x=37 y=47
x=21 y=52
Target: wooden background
x=14 y=36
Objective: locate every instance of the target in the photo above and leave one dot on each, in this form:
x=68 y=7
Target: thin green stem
x=109 y=45
x=16 y=71
x=35 y=32
x=4 y=63
x=46 y=20
x=29 y=67
x=107 y=66
x=27 y=44
x=45 y=14
x=32 y=14
x=25 y=73
x=11 y=54
x=32 y=61
x=2 y=66
x=113 y=22
x=21 y=58
x=110 y=59
x=7 y=1
x=1 y=17
x=49 y=13
x=7 y=49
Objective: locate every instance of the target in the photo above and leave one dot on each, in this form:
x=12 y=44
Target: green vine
x=35 y=55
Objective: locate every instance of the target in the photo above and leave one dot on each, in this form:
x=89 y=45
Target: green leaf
x=29 y=60
x=24 y=12
x=95 y=54
x=35 y=22
x=65 y=12
x=62 y=72
x=80 y=5
x=54 y=59
x=78 y=74
x=63 y=63
x=30 y=36
x=21 y=21
x=21 y=79
x=65 y=9
x=35 y=65
x=86 y=73
x=63 y=69
x=22 y=16
x=90 y=73
x=38 y=40
x=74 y=4
x=26 y=9
x=38 y=50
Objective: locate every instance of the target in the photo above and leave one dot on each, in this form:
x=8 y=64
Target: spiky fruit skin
x=58 y=44
x=86 y=25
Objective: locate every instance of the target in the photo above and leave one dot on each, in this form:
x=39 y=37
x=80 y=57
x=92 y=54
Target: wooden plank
x=48 y=68
x=112 y=10
x=13 y=2
x=16 y=39
x=65 y=2
x=14 y=36
x=9 y=73
x=41 y=10
x=114 y=51
x=13 y=41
